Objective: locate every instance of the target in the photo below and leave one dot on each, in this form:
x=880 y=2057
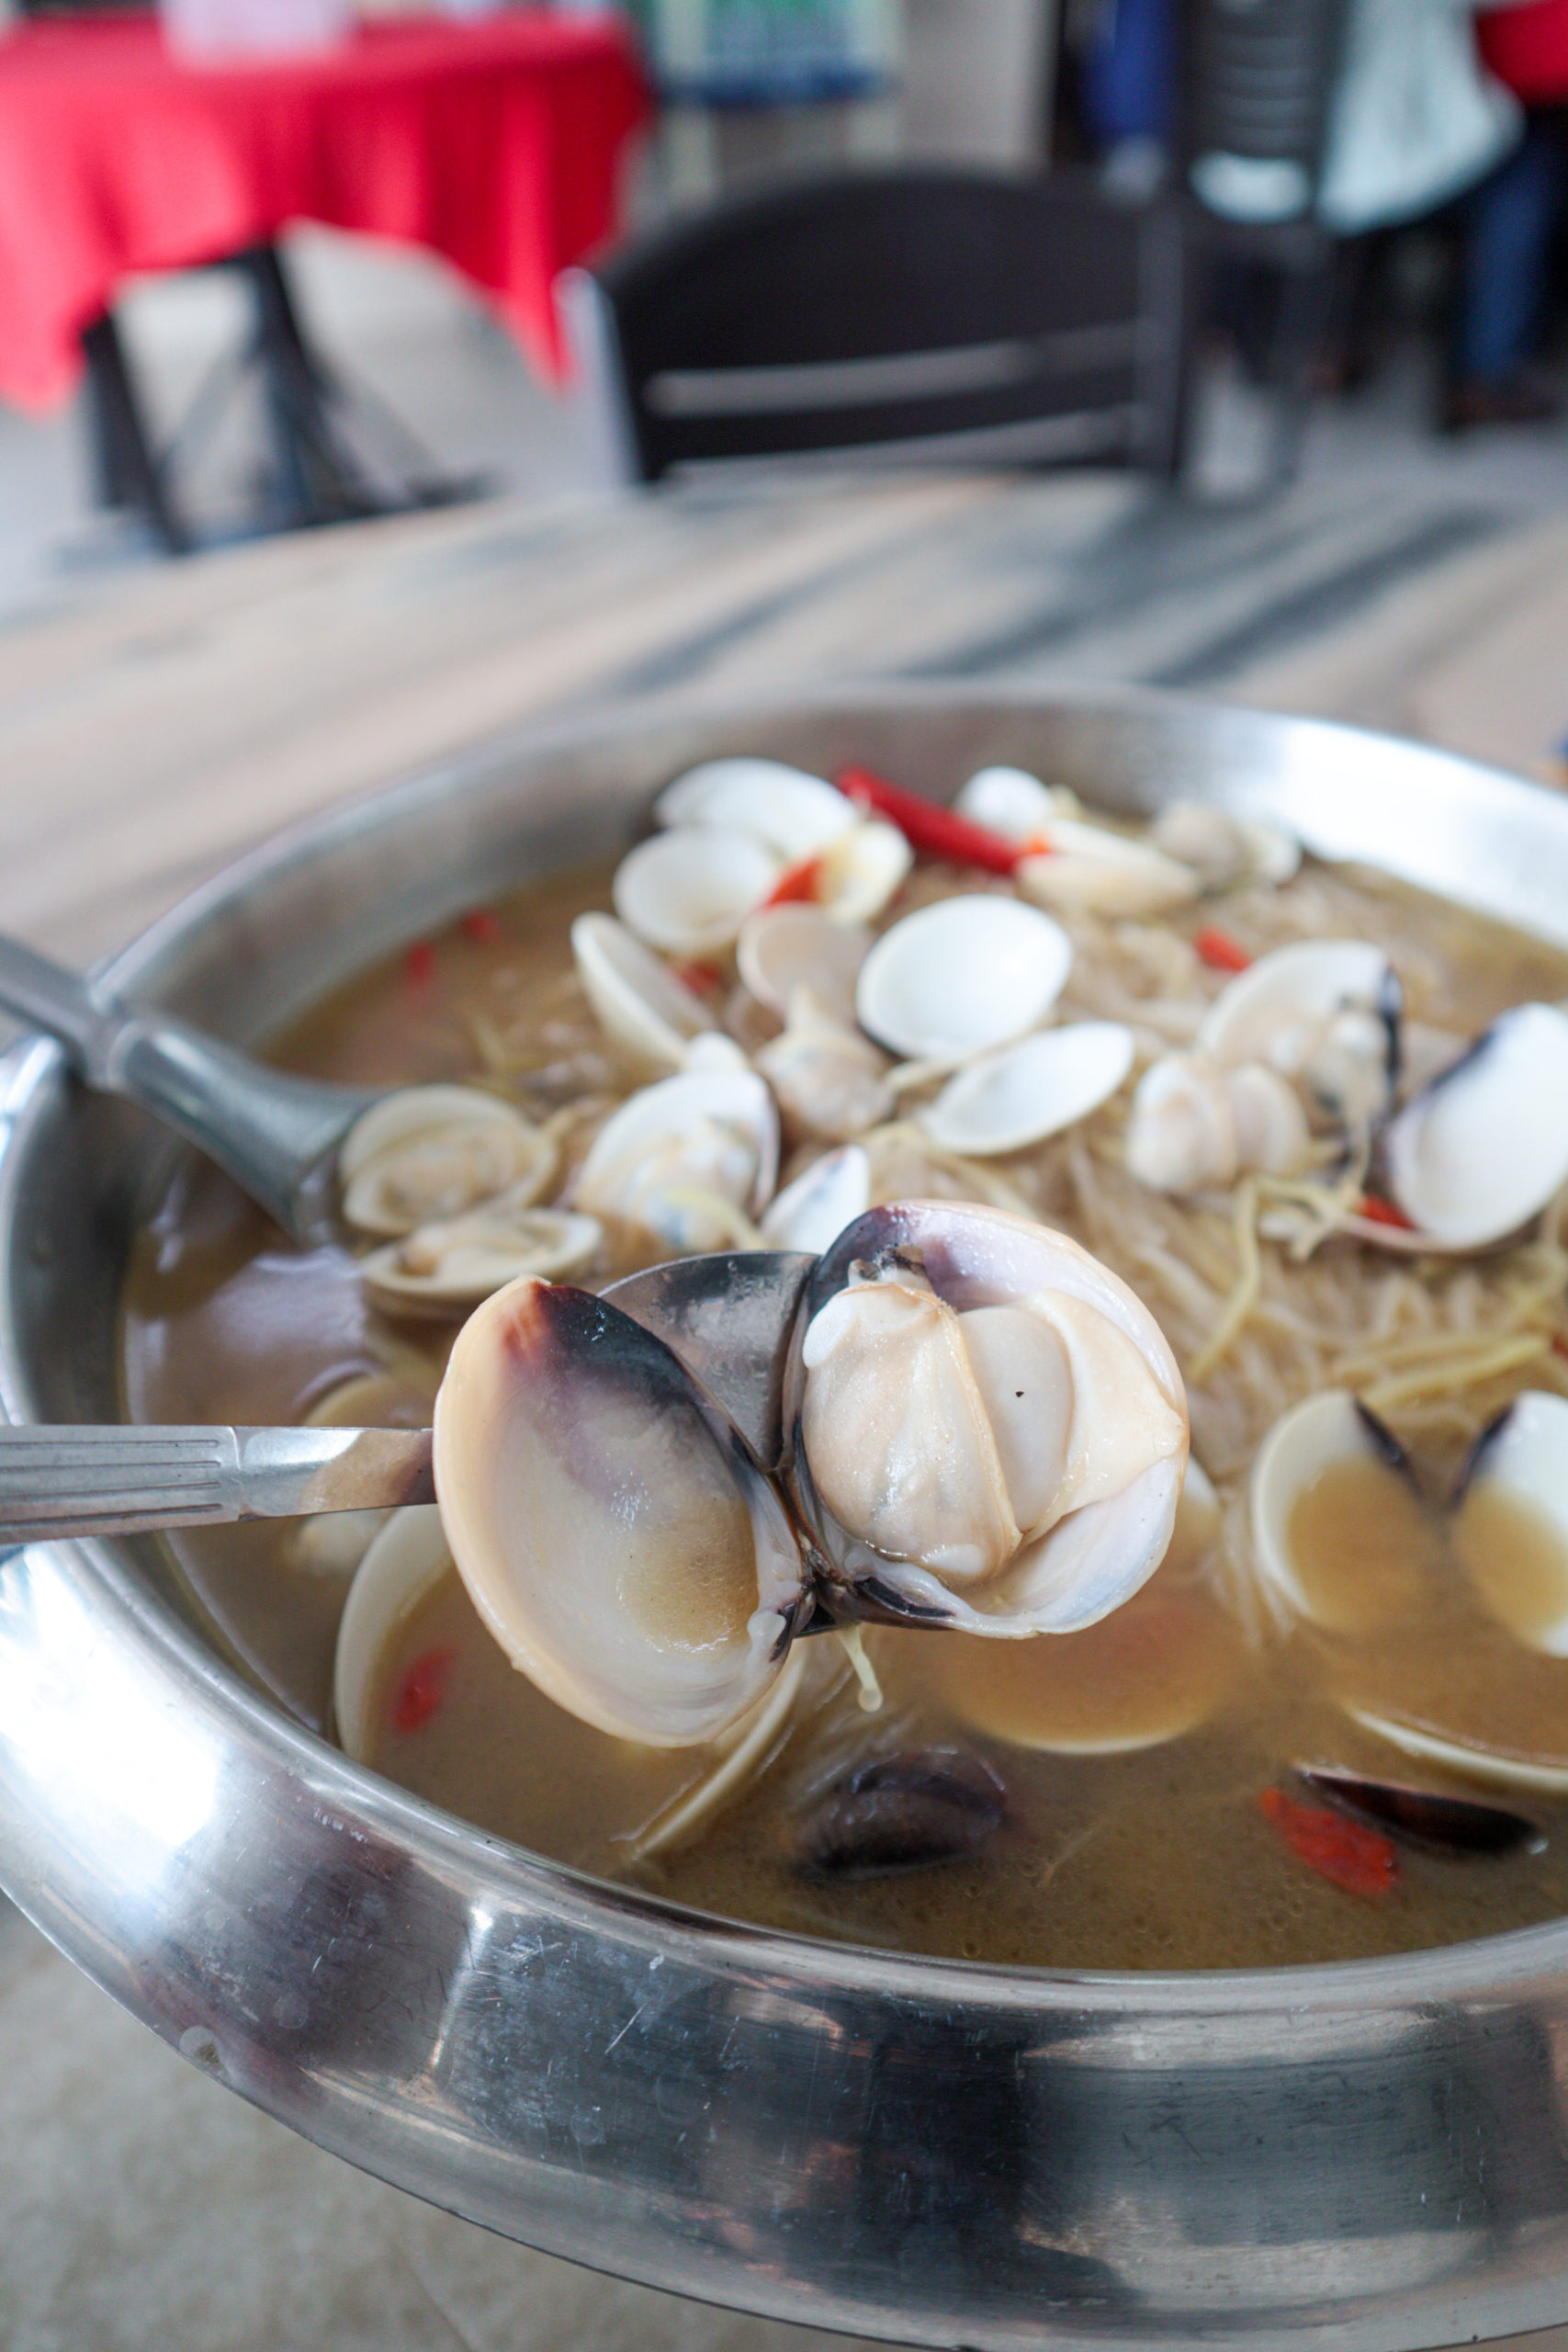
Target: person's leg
x=1508 y=229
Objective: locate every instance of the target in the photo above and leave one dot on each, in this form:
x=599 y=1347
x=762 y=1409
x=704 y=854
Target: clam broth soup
x=1125 y=1796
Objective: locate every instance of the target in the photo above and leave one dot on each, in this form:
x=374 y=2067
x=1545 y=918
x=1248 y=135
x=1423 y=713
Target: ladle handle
x=274 y=1134
x=123 y=1479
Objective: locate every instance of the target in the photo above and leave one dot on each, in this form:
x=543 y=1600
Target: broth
x=1137 y=1839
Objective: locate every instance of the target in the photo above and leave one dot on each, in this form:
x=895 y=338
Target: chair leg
x=129 y=474
x=1306 y=297
x=319 y=479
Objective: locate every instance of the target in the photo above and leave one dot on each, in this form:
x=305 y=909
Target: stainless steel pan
x=1373 y=2155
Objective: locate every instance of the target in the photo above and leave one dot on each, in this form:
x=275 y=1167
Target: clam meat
x=429 y=1152
x=991 y=1430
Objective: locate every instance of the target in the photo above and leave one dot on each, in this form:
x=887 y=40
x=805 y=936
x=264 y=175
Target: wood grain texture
x=154 y=731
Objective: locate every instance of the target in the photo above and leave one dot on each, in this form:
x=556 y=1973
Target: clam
x=961 y=976
x=795 y=814
x=652 y=1016
x=1484 y=1146
x=633 y=1802
x=897 y=1813
x=1011 y=802
x=1089 y=868
x=854 y=877
x=814 y=1210
x=1322 y=1013
x=1510 y=1526
x=1195 y=1123
x=332 y=1543
x=1223 y=849
x=1007 y=1099
x=990 y=1429
x=688 y=892
x=1341 y=1536
x=1434 y=1818
x=829 y=1079
x=613 y=1530
x=691 y=1159
x=407 y=1559
x=1008 y=1461
x=1151 y=1671
x=783 y=948
x=445 y=1267
x=433 y=1151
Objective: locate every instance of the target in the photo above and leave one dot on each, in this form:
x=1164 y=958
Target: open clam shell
x=814 y=1210
x=688 y=892
x=795 y=813
x=959 y=976
x=1278 y=1010
x=1341 y=1539
x=1011 y=802
x=1484 y=1146
x=784 y=948
x=633 y=1802
x=1007 y=1099
x=1510 y=1526
x=857 y=874
x=442 y=1268
x=682 y=1156
x=990 y=1428
x=612 y=1530
x=408 y=1557
x=642 y=1007
x=433 y=1151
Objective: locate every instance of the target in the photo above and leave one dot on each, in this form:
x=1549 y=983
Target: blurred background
x=1335 y=229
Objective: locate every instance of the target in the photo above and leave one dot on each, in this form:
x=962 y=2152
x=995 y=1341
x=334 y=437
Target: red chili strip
x=1221 y=951
x=419 y=965
x=1559 y=1343
x=1350 y=1856
x=1377 y=1211
x=935 y=831
x=482 y=926
x=703 y=979
x=797 y=885
x=421 y=1690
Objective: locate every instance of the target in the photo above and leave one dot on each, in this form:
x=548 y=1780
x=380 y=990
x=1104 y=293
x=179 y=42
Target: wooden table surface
x=149 y=732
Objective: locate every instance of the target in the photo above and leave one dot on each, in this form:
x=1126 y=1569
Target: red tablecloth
x=496 y=144
x=1528 y=47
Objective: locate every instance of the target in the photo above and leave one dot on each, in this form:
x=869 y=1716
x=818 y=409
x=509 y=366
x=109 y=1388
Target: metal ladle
x=277 y=1135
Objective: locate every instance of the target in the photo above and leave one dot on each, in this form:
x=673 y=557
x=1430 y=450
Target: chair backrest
x=974 y=315
x=1258 y=77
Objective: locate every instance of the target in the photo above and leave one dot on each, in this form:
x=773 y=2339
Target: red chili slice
x=481 y=926
x=1377 y=1211
x=1359 y=1860
x=703 y=979
x=421 y=1690
x=797 y=885
x=419 y=965
x=935 y=831
x=1221 y=951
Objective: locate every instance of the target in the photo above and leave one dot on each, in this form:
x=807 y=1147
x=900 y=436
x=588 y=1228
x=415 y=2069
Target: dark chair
x=1257 y=84
x=960 y=315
